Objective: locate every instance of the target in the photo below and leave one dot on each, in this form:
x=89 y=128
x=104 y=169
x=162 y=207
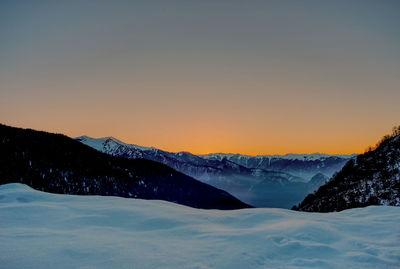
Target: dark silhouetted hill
x=58 y=164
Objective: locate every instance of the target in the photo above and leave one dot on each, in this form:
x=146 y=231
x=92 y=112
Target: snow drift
x=42 y=230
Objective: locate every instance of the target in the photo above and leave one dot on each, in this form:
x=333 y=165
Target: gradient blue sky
x=254 y=77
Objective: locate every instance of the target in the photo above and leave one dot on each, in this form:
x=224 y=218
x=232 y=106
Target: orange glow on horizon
x=197 y=142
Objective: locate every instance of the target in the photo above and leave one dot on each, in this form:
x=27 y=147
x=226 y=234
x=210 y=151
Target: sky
x=251 y=77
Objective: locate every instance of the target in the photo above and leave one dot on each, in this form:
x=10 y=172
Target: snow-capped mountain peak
x=108 y=143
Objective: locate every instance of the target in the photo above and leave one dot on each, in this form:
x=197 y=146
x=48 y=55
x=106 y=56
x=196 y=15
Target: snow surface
x=42 y=230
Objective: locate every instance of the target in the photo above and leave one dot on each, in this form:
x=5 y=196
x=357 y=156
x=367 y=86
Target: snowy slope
x=109 y=144
x=41 y=230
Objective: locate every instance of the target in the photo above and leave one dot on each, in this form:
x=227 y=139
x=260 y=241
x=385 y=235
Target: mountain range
x=261 y=181
x=106 y=166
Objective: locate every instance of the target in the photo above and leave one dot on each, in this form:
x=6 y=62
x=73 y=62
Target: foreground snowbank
x=41 y=230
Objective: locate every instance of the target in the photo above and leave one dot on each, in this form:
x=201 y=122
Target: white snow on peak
x=100 y=143
x=42 y=230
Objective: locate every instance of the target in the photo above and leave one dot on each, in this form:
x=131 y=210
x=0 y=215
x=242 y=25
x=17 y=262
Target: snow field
x=42 y=230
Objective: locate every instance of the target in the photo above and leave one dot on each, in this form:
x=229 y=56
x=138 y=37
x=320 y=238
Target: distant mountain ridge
x=373 y=178
x=300 y=165
x=288 y=156
x=56 y=163
x=262 y=181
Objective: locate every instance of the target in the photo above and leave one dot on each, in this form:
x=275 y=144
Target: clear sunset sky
x=251 y=77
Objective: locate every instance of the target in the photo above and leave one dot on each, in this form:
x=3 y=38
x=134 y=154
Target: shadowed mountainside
x=373 y=178
x=56 y=163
